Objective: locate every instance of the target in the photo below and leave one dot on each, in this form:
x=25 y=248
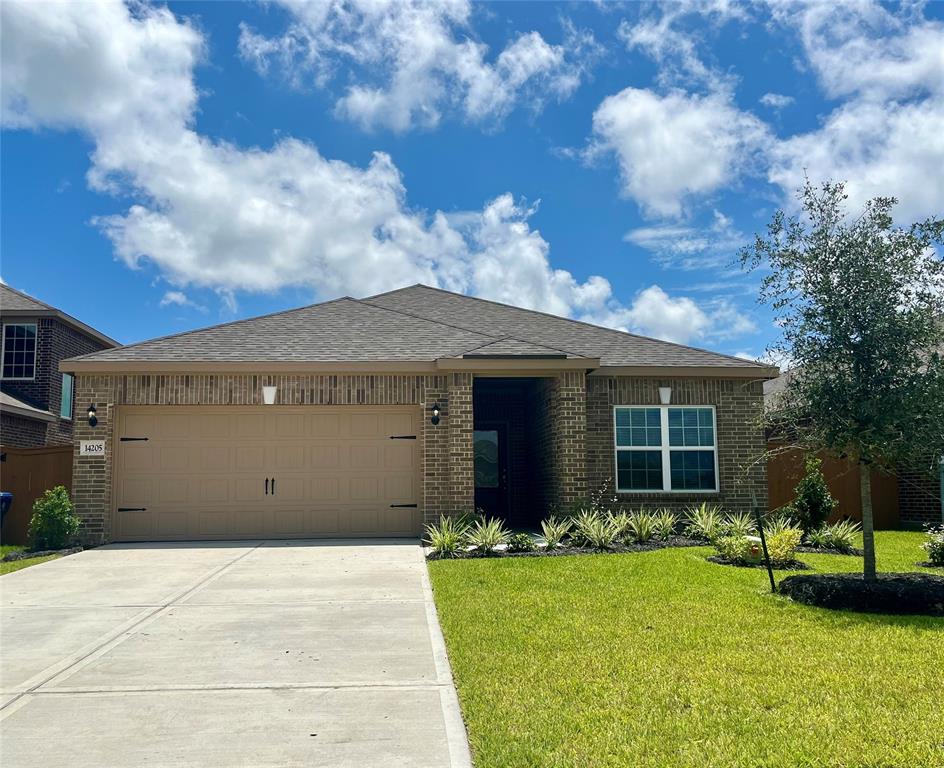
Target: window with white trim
x=19 y=351
x=665 y=448
x=65 y=404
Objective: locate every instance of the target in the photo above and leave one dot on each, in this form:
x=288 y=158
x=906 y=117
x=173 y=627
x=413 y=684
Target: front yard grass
x=16 y=565
x=664 y=659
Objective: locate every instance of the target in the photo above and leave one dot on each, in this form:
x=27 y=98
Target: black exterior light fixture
x=92 y=418
x=435 y=417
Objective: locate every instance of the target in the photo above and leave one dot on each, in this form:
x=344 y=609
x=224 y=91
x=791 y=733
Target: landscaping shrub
x=704 y=522
x=840 y=536
x=739 y=524
x=778 y=524
x=555 y=531
x=664 y=522
x=487 y=535
x=620 y=522
x=813 y=503
x=53 y=523
x=934 y=546
x=641 y=527
x=520 y=542
x=782 y=545
x=737 y=548
x=447 y=538
x=591 y=529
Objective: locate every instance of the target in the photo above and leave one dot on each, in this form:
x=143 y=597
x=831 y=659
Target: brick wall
x=446 y=452
x=738 y=405
x=22 y=433
x=55 y=342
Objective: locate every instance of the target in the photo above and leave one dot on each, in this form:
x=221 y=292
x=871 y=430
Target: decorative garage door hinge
x=132 y=509
x=132 y=439
x=403 y=437
x=412 y=506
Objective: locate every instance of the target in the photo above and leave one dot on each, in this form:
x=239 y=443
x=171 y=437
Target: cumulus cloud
x=407 y=63
x=678 y=145
x=213 y=215
x=776 y=100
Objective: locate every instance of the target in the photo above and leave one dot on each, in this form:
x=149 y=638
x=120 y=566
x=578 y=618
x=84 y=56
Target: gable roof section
x=416 y=328
x=15 y=304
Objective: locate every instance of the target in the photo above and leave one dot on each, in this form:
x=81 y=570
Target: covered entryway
x=204 y=472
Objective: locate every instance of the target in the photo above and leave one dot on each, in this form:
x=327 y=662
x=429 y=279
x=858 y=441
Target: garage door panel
x=202 y=472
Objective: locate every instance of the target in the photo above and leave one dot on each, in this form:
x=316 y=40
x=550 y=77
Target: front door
x=490 y=443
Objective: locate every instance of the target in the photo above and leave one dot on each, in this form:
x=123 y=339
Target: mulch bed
x=793 y=565
x=830 y=551
x=893 y=593
x=43 y=553
x=616 y=549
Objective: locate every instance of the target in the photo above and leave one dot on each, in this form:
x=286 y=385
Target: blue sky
x=166 y=167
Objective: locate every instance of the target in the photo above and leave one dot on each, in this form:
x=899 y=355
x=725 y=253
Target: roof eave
x=757 y=372
x=91 y=366
x=62 y=317
x=27 y=413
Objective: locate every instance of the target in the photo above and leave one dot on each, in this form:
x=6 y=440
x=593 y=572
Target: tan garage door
x=266 y=472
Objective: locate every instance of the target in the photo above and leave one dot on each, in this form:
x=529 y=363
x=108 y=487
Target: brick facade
x=740 y=440
x=571 y=423
x=55 y=342
x=21 y=432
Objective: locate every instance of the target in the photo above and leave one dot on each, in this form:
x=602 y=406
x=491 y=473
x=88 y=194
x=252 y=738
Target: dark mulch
x=616 y=549
x=898 y=593
x=929 y=564
x=43 y=553
x=792 y=565
x=828 y=551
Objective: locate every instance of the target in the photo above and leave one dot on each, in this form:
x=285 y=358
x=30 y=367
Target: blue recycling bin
x=6 y=499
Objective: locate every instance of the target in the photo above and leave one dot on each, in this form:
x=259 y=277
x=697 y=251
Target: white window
x=19 y=351
x=665 y=448
x=65 y=404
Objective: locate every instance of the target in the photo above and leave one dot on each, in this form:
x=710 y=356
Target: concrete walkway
x=277 y=653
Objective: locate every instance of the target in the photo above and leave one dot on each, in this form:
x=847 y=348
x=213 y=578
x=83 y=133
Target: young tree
x=860 y=304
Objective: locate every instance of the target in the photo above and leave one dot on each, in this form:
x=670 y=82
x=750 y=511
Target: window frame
x=71 y=377
x=666 y=450
x=3 y=350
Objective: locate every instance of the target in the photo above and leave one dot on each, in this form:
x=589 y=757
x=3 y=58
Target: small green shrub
x=591 y=529
x=620 y=522
x=641 y=527
x=781 y=545
x=813 y=503
x=665 y=521
x=555 y=531
x=520 y=542
x=447 y=538
x=53 y=523
x=737 y=548
x=704 y=522
x=934 y=546
x=739 y=524
x=840 y=536
x=778 y=524
x=487 y=535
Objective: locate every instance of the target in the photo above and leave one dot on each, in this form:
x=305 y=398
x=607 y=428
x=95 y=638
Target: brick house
x=36 y=399
x=370 y=417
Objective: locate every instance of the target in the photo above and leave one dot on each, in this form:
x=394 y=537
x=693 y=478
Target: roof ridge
x=532 y=343
x=427 y=319
x=571 y=320
x=222 y=325
x=31 y=298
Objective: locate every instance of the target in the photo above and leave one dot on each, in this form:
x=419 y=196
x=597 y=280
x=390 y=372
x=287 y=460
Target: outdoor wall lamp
x=665 y=395
x=435 y=411
x=268 y=394
x=92 y=418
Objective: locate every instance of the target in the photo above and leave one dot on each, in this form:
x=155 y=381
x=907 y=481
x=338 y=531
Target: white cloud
x=776 y=100
x=212 y=215
x=676 y=146
x=180 y=299
x=408 y=63
x=686 y=247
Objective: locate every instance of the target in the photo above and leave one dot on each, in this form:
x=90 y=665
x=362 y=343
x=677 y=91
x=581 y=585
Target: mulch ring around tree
x=792 y=565
x=895 y=593
x=828 y=551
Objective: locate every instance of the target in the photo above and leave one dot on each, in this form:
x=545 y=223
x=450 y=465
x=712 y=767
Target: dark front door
x=490 y=443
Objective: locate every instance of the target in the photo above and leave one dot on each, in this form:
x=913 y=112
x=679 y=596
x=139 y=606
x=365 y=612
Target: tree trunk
x=868 y=528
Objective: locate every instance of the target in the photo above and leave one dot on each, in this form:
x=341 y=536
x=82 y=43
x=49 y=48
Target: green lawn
x=16 y=565
x=664 y=659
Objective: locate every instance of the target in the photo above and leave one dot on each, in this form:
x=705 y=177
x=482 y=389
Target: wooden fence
x=27 y=473
x=785 y=470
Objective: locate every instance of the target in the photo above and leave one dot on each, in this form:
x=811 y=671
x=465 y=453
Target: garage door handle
x=267 y=487
x=273 y=486
x=412 y=506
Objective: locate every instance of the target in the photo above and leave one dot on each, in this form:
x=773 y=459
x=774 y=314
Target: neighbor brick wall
x=740 y=438
x=446 y=453
x=55 y=341
x=22 y=433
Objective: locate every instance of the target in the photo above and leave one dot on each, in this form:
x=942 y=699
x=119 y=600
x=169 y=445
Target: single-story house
x=371 y=417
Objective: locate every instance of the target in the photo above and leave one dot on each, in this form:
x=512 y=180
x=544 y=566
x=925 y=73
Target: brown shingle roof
x=14 y=303
x=412 y=324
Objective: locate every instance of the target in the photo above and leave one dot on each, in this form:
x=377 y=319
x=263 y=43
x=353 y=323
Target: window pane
x=485 y=446
x=691 y=427
x=693 y=470
x=638 y=427
x=65 y=407
x=19 y=351
x=639 y=470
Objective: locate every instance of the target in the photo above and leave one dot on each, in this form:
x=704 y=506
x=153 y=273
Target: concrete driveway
x=276 y=653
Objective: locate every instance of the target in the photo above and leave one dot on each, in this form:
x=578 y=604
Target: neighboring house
x=392 y=410
x=36 y=399
x=908 y=497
